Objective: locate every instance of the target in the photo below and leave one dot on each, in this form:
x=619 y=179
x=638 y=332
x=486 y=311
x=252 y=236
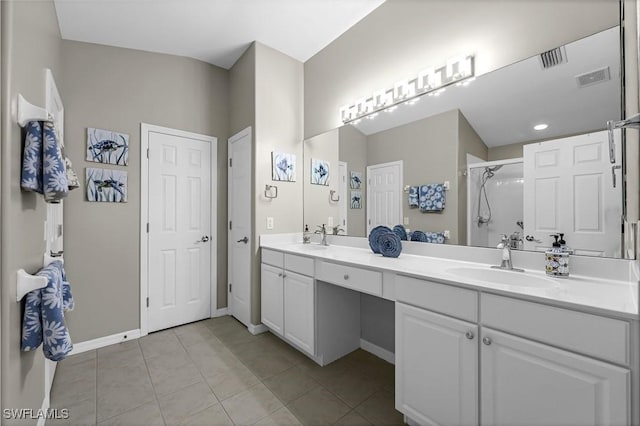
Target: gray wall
x=278 y=127
x=30 y=43
x=317 y=207
x=117 y=89
x=419 y=34
x=353 y=151
x=429 y=151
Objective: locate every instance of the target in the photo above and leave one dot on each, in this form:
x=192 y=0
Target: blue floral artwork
x=356 y=199
x=356 y=180
x=283 y=166
x=107 y=147
x=106 y=185
x=432 y=197
x=319 y=172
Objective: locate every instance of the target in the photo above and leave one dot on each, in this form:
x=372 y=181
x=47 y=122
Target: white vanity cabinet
x=511 y=362
x=287 y=294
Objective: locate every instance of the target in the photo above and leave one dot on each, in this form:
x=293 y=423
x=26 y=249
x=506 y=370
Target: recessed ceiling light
x=540 y=126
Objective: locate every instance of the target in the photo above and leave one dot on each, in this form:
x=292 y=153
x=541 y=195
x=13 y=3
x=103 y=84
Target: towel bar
x=28 y=112
x=268 y=191
x=28 y=282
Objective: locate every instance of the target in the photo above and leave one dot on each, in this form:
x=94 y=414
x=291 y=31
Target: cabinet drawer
x=300 y=264
x=593 y=335
x=442 y=298
x=358 y=279
x=273 y=258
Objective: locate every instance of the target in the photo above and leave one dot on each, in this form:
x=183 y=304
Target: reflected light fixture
x=540 y=126
x=432 y=81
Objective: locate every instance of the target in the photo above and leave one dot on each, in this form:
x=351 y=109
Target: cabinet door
x=272 y=298
x=436 y=367
x=299 y=311
x=528 y=383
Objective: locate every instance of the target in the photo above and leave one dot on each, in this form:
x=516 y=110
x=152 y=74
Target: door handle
x=204 y=239
x=531 y=238
x=244 y=240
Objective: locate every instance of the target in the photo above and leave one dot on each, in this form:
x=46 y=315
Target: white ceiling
x=214 y=31
x=504 y=105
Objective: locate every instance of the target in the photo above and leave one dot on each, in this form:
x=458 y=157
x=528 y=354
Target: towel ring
x=333 y=197
x=268 y=191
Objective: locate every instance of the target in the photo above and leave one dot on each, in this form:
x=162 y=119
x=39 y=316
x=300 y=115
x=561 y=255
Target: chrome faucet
x=323 y=232
x=506 y=255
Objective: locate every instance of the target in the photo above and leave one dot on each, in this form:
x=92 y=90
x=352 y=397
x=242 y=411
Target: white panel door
x=343 y=193
x=384 y=189
x=240 y=236
x=179 y=230
x=272 y=292
x=527 y=383
x=436 y=368
x=568 y=188
x=299 y=311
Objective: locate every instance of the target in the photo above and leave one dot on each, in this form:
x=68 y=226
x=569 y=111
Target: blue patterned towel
x=43 y=166
x=43 y=320
x=432 y=197
x=389 y=244
x=428 y=237
x=413 y=196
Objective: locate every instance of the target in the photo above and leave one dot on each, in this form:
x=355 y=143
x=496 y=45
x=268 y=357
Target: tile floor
x=214 y=372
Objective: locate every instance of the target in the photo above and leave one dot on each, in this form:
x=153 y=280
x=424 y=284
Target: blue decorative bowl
x=373 y=237
x=390 y=244
x=419 y=236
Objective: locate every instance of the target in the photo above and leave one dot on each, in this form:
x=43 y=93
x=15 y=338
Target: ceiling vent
x=594 y=77
x=553 y=57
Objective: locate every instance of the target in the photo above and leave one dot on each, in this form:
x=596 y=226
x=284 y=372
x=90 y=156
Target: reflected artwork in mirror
x=524 y=152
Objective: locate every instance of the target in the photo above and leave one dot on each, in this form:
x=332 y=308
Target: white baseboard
x=257 y=329
x=219 y=312
x=44 y=409
x=101 y=342
x=386 y=355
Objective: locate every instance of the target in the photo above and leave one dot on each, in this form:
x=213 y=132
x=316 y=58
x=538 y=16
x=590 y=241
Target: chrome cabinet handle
x=469 y=335
x=244 y=240
x=486 y=340
x=346 y=276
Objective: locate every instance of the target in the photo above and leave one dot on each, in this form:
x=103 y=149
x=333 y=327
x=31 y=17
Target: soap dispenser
x=306 y=235
x=557 y=260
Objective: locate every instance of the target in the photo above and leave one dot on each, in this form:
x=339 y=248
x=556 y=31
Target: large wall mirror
x=521 y=151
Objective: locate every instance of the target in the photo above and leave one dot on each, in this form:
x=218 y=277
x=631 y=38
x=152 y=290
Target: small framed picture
x=283 y=166
x=356 y=199
x=106 y=185
x=319 y=172
x=107 y=147
x=356 y=180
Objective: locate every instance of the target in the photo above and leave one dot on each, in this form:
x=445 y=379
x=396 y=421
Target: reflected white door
x=343 y=192
x=384 y=189
x=179 y=230
x=568 y=188
x=240 y=238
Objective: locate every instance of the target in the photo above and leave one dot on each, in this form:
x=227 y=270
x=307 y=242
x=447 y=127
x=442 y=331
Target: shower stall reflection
x=495 y=202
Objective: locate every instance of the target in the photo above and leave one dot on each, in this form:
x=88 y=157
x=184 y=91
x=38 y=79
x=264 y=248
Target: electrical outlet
x=447 y=234
x=405 y=221
x=330 y=221
x=269 y=223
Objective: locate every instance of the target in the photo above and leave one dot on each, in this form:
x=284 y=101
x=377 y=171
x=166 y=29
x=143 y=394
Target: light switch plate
x=269 y=223
x=330 y=221
x=405 y=221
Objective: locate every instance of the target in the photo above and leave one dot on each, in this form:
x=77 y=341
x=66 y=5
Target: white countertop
x=616 y=297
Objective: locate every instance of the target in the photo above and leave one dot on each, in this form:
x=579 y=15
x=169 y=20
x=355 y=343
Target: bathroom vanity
x=473 y=345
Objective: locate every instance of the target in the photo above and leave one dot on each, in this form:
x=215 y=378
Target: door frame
x=145 y=129
x=400 y=190
x=248 y=132
x=345 y=200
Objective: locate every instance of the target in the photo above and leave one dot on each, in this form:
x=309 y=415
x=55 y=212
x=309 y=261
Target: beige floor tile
x=176 y=357
x=214 y=415
x=207 y=347
x=145 y=415
x=122 y=399
x=351 y=387
x=251 y=405
x=114 y=378
x=127 y=355
x=68 y=373
x=235 y=337
x=267 y=364
x=82 y=357
x=327 y=373
x=65 y=394
x=353 y=419
x=318 y=407
x=215 y=363
x=80 y=413
x=193 y=333
x=281 y=417
x=180 y=405
x=119 y=347
x=291 y=384
x=231 y=382
x=224 y=325
x=169 y=380
x=159 y=343
x=379 y=409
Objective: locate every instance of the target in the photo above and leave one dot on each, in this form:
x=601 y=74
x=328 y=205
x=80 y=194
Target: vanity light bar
x=432 y=82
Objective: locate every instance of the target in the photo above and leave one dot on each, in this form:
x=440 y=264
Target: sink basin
x=499 y=276
x=315 y=247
